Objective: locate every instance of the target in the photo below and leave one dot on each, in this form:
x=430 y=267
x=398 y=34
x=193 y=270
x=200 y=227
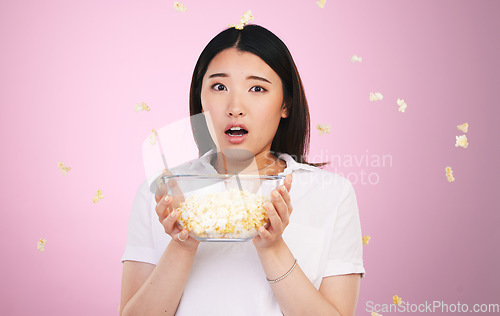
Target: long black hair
x=292 y=136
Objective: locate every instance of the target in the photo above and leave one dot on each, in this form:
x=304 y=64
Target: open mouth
x=236 y=131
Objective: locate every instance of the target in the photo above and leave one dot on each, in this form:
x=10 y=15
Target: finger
x=288 y=182
x=163 y=207
x=176 y=190
x=170 y=223
x=274 y=218
x=161 y=191
x=286 y=197
x=264 y=233
x=183 y=235
x=280 y=206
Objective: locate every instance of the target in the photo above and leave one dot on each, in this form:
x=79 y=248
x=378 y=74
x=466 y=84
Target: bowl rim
x=223 y=176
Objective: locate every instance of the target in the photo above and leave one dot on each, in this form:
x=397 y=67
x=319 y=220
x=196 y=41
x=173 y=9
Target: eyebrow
x=223 y=75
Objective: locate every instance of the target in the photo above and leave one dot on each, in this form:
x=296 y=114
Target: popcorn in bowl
x=229 y=214
x=222 y=207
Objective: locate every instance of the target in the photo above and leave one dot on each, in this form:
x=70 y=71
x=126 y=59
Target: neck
x=261 y=163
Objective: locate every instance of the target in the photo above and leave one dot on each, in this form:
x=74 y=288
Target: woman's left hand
x=279 y=216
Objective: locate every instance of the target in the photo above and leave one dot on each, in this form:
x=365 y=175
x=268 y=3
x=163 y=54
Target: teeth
x=235 y=128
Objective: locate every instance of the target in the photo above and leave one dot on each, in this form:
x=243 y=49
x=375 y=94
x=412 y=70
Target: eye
x=219 y=87
x=257 y=89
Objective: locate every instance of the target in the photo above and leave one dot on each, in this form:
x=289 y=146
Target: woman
x=306 y=262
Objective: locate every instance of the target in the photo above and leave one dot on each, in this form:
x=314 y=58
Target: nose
x=236 y=113
x=235 y=106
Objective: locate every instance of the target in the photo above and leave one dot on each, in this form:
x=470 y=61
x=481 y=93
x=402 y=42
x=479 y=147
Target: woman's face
x=244 y=98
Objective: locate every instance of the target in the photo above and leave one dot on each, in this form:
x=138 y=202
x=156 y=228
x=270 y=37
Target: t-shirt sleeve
x=140 y=242
x=346 y=248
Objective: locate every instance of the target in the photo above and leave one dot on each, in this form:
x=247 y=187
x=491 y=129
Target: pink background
x=72 y=71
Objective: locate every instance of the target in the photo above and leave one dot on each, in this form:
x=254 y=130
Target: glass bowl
x=221 y=207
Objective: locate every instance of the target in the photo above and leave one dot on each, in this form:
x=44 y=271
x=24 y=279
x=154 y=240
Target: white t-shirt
x=324 y=234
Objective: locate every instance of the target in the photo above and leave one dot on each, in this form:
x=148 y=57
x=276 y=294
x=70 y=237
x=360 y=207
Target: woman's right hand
x=168 y=217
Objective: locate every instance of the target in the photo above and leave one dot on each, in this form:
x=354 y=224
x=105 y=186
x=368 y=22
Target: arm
x=150 y=290
x=155 y=290
x=295 y=294
x=338 y=295
x=134 y=275
x=342 y=292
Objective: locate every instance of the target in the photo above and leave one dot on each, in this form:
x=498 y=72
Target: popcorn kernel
x=245 y=18
x=366 y=239
x=152 y=137
x=355 y=59
x=461 y=141
x=41 y=244
x=463 y=127
x=142 y=107
x=376 y=96
x=323 y=128
x=396 y=299
x=321 y=3
x=402 y=105
x=449 y=174
x=98 y=196
x=64 y=169
x=179 y=7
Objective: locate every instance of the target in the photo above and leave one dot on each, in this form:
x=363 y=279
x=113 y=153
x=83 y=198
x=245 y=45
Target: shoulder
x=316 y=191
x=144 y=197
x=143 y=191
x=310 y=176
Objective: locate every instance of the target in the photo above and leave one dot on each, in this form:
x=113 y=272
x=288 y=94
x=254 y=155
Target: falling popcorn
x=463 y=128
x=375 y=314
x=366 y=239
x=41 y=244
x=239 y=26
x=402 y=105
x=152 y=137
x=355 y=58
x=142 y=107
x=461 y=141
x=321 y=3
x=323 y=128
x=377 y=96
x=98 y=196
x=179 y=7
x=396 y=299
x=247 y=17
x=449 y=174
x=63 y=168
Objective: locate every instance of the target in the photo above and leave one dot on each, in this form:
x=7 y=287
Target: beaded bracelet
x=284 y=275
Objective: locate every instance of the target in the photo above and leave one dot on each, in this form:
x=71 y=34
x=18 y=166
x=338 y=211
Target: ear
x=284 y=111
